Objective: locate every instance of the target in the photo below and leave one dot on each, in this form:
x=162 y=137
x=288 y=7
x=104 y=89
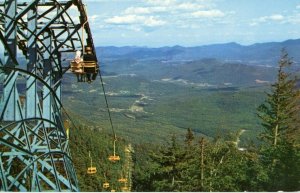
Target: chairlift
x=122 y=180
x=86 y=69
x=91 y=170
x=124 y=189
x=114 y=157
x=105 y=185
x=86 y=66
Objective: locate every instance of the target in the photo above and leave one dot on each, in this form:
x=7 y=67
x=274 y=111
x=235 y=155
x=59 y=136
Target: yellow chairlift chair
x=114 y=157
x=91 y=170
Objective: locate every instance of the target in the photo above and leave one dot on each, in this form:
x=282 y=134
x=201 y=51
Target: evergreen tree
x=144 y=168
x=280 y=120
x=226 y=168
x=190 y=170
x=280 y=113
x=189 y=137
x=170 y=164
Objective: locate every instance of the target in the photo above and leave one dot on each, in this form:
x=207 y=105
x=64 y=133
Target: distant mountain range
x=256 y=54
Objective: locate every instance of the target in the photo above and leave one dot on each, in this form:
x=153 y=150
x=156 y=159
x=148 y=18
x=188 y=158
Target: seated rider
x=78 y=58
x=78 y=70
x=89 y=56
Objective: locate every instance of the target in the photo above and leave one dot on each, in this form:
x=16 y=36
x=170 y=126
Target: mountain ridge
x=266 y=53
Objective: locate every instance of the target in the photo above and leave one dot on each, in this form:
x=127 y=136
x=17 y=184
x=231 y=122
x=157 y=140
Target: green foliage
x=281 y=122
x=100 y=145
x=280 y=113
x=177 y=166
x=143 y=167
x=170 y=163
x=189 y=137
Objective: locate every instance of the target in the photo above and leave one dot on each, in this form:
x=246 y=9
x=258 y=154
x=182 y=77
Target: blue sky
x=156 y=23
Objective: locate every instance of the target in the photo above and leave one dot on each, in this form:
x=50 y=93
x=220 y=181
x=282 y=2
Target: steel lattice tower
x=36 y=36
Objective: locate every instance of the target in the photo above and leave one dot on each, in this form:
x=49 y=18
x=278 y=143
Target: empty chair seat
x=105 y=185
x=114 y=158
x=125 y=189
x=122 y=180
x=91 y=170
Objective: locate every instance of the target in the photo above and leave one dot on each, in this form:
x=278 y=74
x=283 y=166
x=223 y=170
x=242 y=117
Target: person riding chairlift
x=78 y=60
x=89 y=57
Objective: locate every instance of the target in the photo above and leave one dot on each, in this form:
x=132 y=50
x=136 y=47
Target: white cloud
x=164 y=7
x=135 y=28
x=148 y=21
x=151 y=14
x=298 y=6
x=208 y=13
x=253 y=24
x=275 y=17
x=190 y=6
x=153 y=22
x=93 y=18
x=270 y=18
x=138 y=10
x=161 y=2
x=144 y=10
x=122 y=20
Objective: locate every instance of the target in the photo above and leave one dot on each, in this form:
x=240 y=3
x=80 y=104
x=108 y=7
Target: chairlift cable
x=107 y=107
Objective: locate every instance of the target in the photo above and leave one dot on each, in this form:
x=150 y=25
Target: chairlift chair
x=105 y=185
x=91 y=169
x=124 y=189
x=122 y=180
x=114 y=157
x=87 y=65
